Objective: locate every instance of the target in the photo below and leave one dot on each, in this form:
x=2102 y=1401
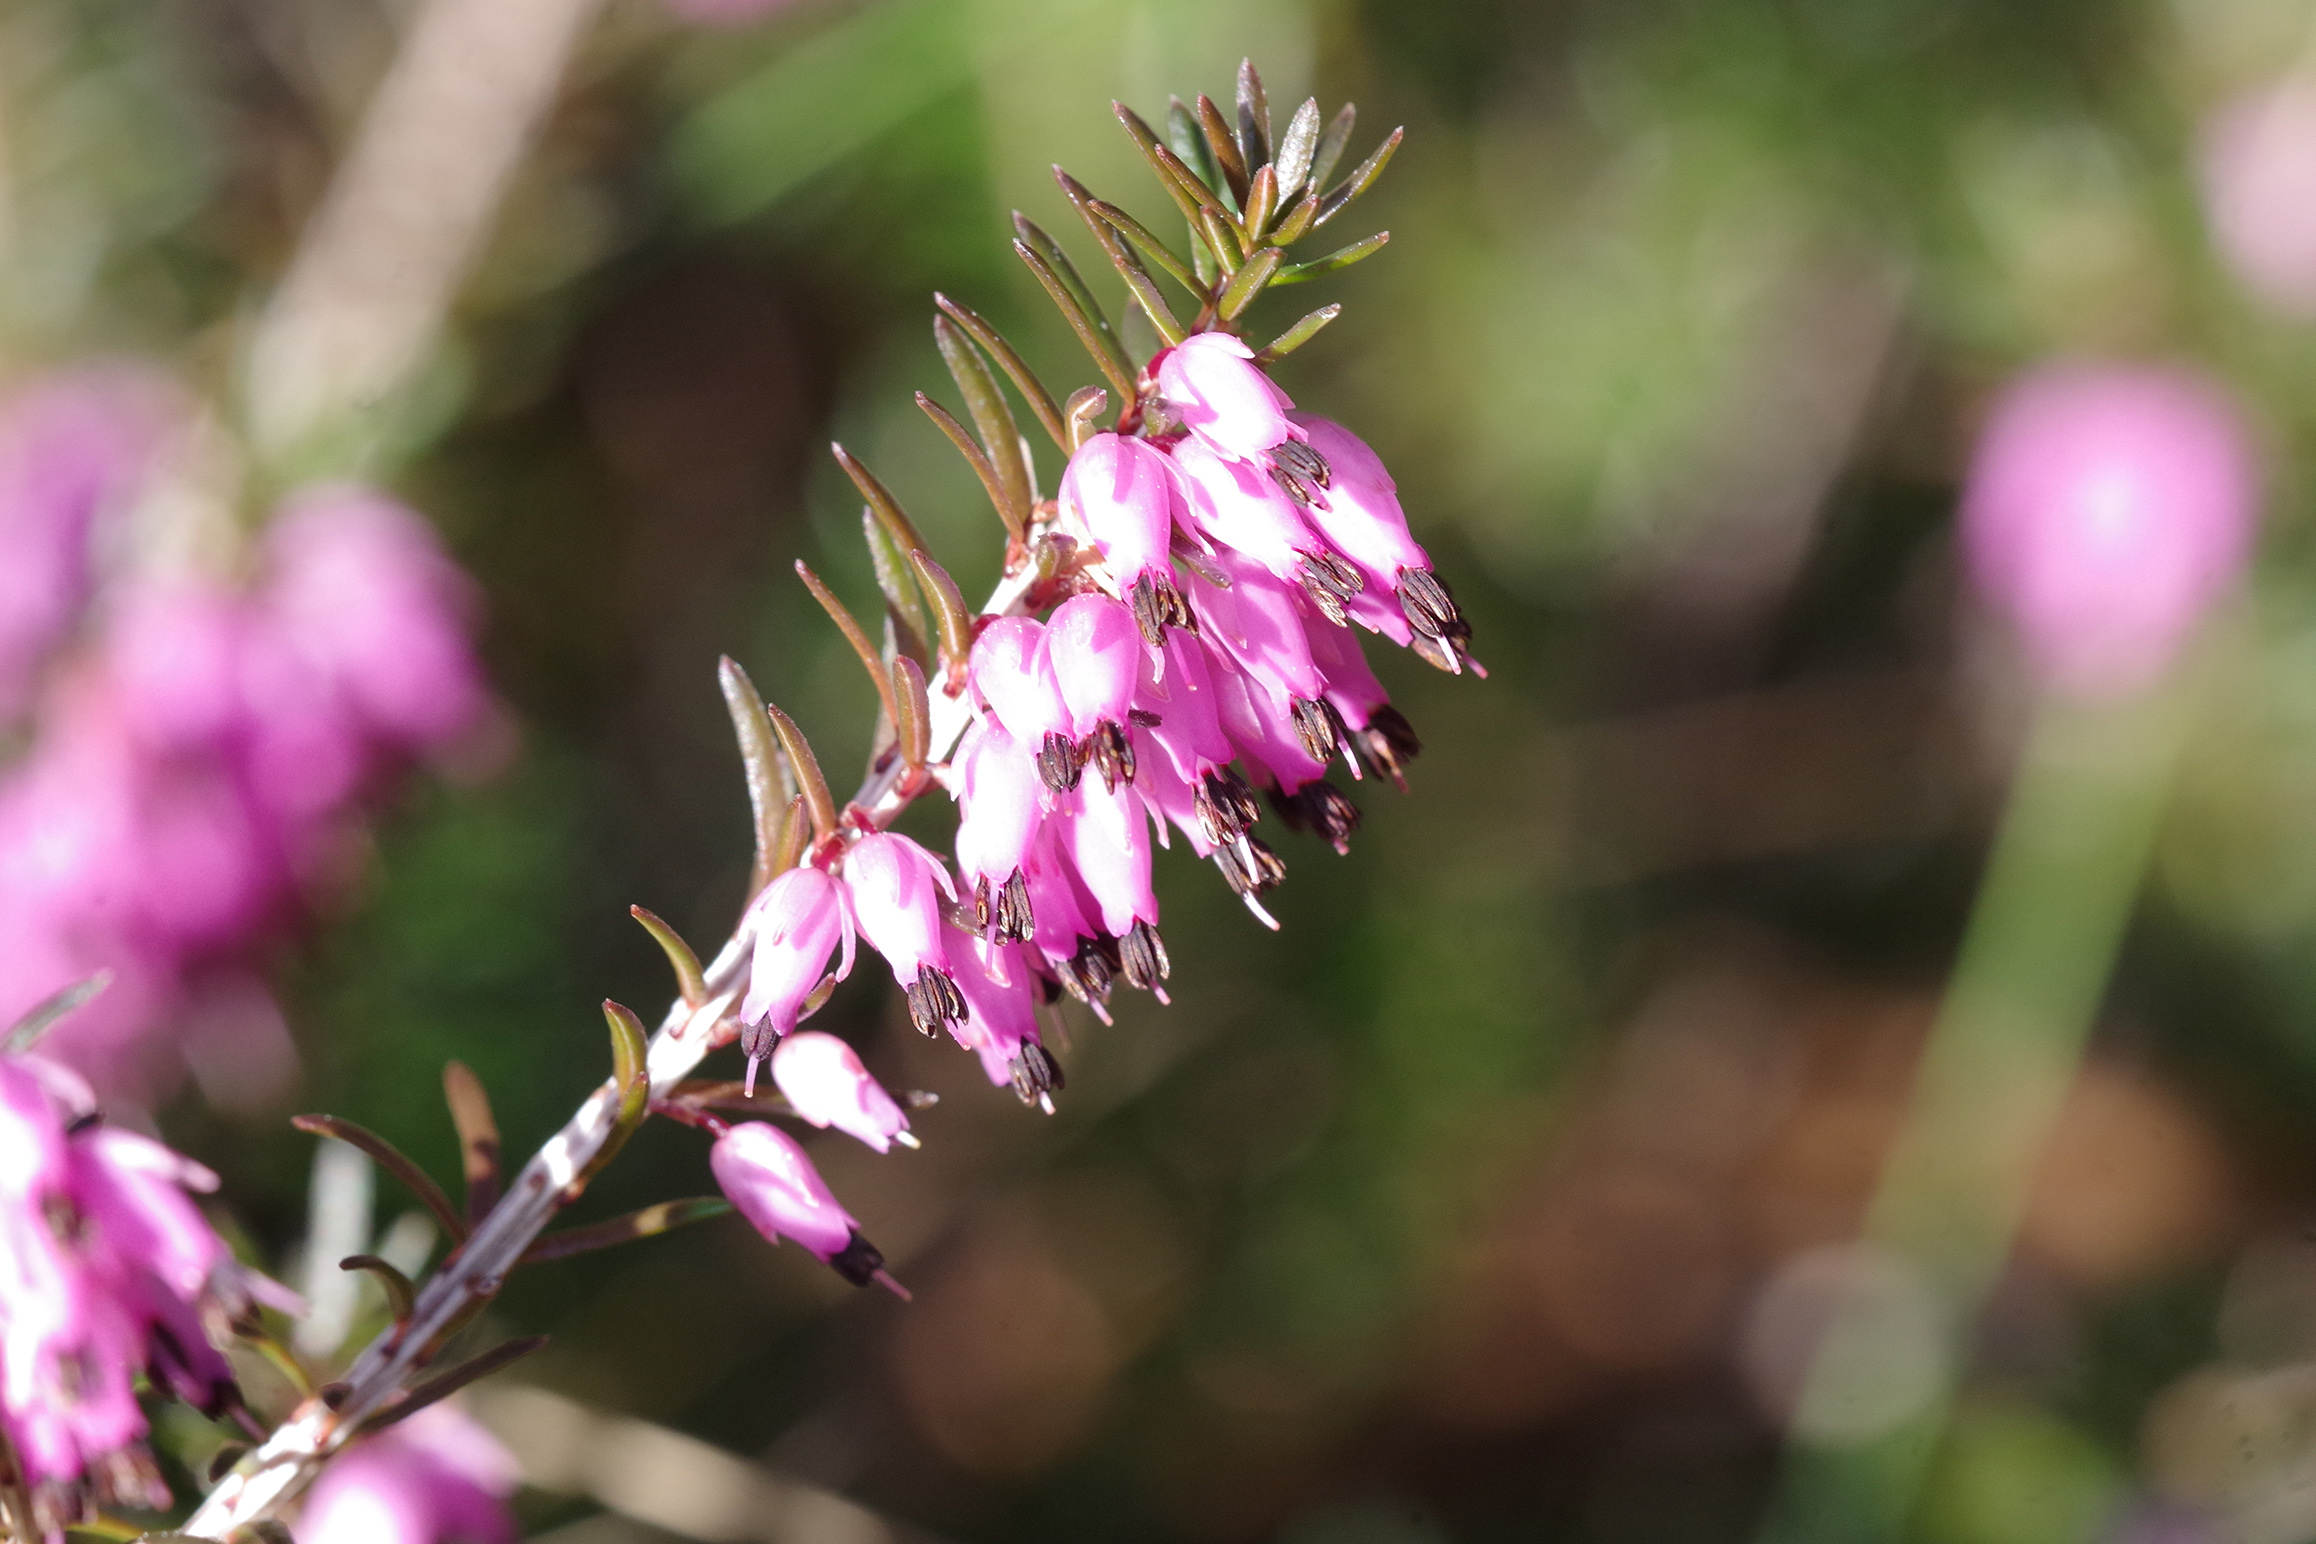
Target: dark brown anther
x=1301 y=471
x=1433 y=613
x=1142 y=957
x=1049 y=990
x=1388 y=744
x=1249 y=866
x=1158 y=605
x=1088 y=974
x=1330 y=582
x=1320 y=728
x=1059 y=763
x=1321 y=809
x=1014 y=920
x=934 y=1001
x=758 y=1040
x=1111 y=753
x=858 y=1261
x=977 y=921
x=1225 y=806
x=1143 y=718
x=1037 y=1077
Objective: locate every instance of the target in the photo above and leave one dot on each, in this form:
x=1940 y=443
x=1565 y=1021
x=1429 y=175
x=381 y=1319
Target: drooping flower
x=1121 y=491
x=824 y=1082
x=1242 y=509
x=1013 y=673
x=1360 y=517
x=437 y=1478
x=1106 y=834
x=1211 y=383
x=896 y=889
x=1095 y=651
x=765 y=1175
x=1000 y=804
x=2108 y=508
x=801 y=919
x=107 y=1272
x=1003 y=991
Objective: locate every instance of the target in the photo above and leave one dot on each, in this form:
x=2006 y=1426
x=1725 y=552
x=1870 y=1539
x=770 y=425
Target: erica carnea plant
x=1176 y=642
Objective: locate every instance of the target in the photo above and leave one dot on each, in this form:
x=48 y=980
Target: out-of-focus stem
x=2041 y=942
x=290 y=1458
x=366 y=293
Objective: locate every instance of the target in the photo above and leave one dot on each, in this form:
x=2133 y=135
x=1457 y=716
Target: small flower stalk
x=1177 y=642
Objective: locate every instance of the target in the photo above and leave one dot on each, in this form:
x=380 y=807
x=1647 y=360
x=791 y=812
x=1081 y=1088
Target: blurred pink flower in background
x=2259 y=190
x=435 y=1478
x=2108 y=508
x=74 y=448
x=199 y=760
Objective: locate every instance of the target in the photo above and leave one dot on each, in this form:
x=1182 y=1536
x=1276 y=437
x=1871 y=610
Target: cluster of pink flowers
x=1202 y=650
x=201 y=748
x=108 y=1272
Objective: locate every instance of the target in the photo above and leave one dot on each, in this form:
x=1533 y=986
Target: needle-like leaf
x=1298 y=335
x=904 y=606
x=1085 y=405
x=1050 y=250
x=644 y=1222
x=1262 y=201
x=1017 y=370
x=1340 y=196
x=1222 y=145
x=1298 y=272
x=400 y=1294
x=1112 y=366
x=798 y=750
x=1183 y=185
x=915 y=727
x=691 y=983
x=770 y=777
x=1240 y=292
x=975 y=457
x=1254 y=118
x=955 y=621
x=1332 y=144
x=1296 y=147
x=394 y=1161
x=992 y=420
x=1142 y=236
x=870 y=660
x=1187 y=142
x=478 y=1135
x=42 y=1017
x=888 y=508
x=444 y=1384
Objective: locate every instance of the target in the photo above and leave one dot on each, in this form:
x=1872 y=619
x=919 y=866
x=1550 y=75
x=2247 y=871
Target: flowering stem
x=289 y=1459
x=2041 y=942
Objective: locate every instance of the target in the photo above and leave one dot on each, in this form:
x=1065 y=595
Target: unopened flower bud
x=765 y=1175
x=825 y=1083
x=2108 y=508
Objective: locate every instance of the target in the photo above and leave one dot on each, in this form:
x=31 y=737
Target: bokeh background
x=1466 y=1208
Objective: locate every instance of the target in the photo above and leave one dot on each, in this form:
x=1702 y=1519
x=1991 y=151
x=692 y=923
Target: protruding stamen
x=1442 y=636
x=1320 y=728
x=1036 y=1075
x=934 y=1001
x=1389 y=744
x=1301 y=471
x=1322 y=809
x=1330 y=582
x=1142 y=957
x=1014 y=920
x=1059 y=763
x=1225 y=806
x=757 y=1042
x=859 y=1262
x=1158 y=605
x=1111 y=753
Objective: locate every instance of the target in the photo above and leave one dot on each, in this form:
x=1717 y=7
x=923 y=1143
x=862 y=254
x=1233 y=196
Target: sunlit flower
x=824 y=1081
x=769 y=1181
x=800 y=920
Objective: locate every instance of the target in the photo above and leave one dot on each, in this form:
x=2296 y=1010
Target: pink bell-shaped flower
x=1222 y=396
x=1000 y=803
x=765 y=1175
x=1123 y=493
x=1106 y=833
x=436 y=1478
x=800 y=919
x=1358 y=513
x=1095 y=650
x=825 y=1083
x=897 y=888
x=2108 y=508
x=1003 y=989
x=1013 y=673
